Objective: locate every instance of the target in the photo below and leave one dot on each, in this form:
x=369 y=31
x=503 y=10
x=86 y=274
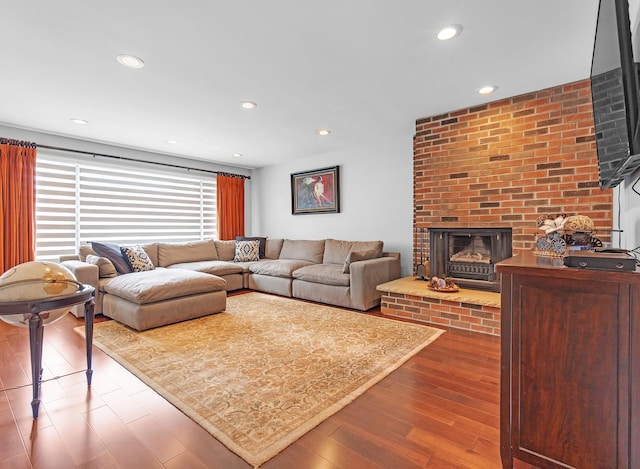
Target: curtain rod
x=223 y=173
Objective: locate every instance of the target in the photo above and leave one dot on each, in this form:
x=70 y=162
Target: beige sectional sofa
x=188 y=280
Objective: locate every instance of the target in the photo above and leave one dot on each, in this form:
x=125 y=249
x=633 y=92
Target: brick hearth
x=473 y=310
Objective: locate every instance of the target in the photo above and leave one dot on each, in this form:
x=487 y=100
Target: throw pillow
x=263 y=243
x=355 y=256
x=106 y=269
x=247 y=251
x=112 y=252
x=137 y=258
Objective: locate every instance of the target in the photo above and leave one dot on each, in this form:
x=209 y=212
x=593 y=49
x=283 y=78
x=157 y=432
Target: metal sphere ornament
x=36 y=281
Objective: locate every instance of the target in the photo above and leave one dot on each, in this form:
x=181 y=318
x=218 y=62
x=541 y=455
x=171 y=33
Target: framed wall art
x=316 y=191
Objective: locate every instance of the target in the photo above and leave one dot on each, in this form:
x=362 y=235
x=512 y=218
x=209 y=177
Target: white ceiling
x=367 y=69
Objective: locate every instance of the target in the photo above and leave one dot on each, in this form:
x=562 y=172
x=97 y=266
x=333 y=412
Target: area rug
x=267 y=370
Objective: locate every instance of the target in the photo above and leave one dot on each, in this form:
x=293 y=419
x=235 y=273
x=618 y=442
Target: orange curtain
x=18 y=203
x=230 y=204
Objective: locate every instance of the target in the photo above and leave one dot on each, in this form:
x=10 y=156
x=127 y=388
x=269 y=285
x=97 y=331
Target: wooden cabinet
x=570 y=365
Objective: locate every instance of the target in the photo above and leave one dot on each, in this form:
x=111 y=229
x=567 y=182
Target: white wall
x=376 y=197
x=626 y=213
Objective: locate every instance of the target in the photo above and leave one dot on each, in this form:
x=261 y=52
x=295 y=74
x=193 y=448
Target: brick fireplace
x=506 y=163
x=510 y=161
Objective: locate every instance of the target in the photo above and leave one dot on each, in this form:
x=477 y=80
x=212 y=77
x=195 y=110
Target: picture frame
x=316 y=191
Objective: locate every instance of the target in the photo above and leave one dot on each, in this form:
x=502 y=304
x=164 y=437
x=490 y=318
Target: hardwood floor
x=439 y=410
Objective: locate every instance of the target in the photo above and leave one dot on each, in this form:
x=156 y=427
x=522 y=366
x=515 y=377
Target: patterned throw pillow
x=137 y=258
x=247 y=251
x=263 y=242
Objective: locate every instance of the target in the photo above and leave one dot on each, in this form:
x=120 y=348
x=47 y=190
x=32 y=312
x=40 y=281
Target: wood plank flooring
x=439 y=410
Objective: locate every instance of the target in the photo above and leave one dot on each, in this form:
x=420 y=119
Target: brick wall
x=510 y=161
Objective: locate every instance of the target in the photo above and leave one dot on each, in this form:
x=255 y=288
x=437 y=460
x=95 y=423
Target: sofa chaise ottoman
x=158 y=297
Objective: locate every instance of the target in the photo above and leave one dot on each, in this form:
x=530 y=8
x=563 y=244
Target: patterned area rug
x=267 y=370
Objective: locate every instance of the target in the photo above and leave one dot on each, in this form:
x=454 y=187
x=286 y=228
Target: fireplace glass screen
x=468 y=255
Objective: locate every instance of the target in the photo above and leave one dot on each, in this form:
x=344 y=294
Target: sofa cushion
x=327 y=274
x=137 y=258
x=247 y=251
x=273 y=247
x=277 y=267
x=226 y=249
x=152 y=251
x=112 y=252
x=304 y=250
x=162 y=284
x=336 y=251
x=262 y=240
x=190 y=251
x=106 y=269
x=210 y=267
x=246 y=265
x=355 y=256
x=85 y=250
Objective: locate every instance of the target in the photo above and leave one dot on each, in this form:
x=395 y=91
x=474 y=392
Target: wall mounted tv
x=615 y=91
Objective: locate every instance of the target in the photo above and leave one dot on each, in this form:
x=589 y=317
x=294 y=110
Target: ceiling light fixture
x=79 y=121
x=172 y=141
x=449 y=32
x=248 y=104
x=237 y=155
x=487 y=89
x=323 y=132
x=130 y=61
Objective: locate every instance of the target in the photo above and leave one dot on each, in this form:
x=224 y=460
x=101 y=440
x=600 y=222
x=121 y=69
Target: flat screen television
x=615 y=91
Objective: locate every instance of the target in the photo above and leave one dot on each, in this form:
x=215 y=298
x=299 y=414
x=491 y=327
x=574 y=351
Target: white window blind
x=125 y=203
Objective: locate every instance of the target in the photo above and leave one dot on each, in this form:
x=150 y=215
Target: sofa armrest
x=86 y=274
x=367 y=275
x=71 y=257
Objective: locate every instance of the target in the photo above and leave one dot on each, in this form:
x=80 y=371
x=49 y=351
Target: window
x=125 y=202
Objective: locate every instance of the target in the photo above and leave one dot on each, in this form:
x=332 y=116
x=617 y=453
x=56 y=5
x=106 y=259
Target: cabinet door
x=569 y=375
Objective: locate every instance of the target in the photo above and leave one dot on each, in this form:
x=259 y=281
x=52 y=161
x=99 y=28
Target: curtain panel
x=230 y=201
x=17 y=206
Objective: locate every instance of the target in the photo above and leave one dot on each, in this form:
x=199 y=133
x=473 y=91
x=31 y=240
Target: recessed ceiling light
x=248 y=104
x=449 y=32
x=323 y=132
x=79 y=121
x=487 y=89
x=172 y=141
x=237 y=155
x=130 y=61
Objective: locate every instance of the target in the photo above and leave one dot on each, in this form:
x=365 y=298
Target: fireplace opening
x=468 y=255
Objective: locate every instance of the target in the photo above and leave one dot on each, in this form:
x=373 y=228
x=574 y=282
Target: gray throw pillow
x=112 y=252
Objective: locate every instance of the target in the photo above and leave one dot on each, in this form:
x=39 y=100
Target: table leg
x=36 y=330
x=88 y=333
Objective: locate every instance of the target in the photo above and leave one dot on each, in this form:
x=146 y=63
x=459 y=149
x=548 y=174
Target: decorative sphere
x=36 y=280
